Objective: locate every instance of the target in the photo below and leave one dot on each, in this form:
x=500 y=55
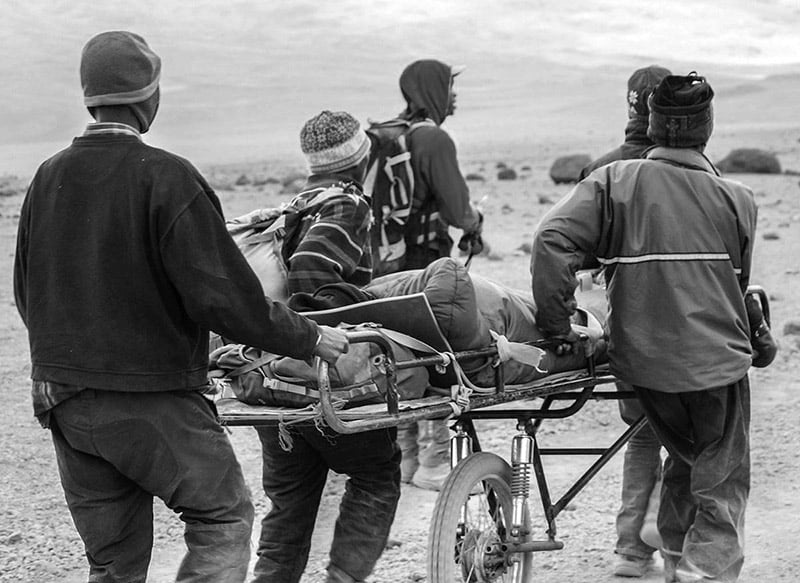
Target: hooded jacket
x=635 y=145
x=676 y=240
x=441 y=193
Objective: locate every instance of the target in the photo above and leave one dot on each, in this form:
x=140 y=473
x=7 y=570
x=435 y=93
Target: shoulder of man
x=432 y=139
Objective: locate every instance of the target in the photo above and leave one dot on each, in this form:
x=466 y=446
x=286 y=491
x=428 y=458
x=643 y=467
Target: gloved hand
x=471 y=241
x=764 y=346
x=565 y=343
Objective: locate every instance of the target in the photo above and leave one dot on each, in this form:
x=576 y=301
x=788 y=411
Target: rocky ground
x=38 y=541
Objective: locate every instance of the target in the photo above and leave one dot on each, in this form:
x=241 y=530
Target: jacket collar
x=328 y=180
x=686 y=157
x=106 y=128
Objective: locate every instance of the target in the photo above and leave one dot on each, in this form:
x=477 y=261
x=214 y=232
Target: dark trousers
x=706 y=477
x=116 y=451
x=294 y=481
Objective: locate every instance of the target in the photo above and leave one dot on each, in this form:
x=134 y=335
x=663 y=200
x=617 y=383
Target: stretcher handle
x=324 y=384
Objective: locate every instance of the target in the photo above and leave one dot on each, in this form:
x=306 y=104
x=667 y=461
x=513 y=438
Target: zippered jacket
x=676 y=240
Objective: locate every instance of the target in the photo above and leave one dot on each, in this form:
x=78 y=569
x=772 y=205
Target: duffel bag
x=358 y=377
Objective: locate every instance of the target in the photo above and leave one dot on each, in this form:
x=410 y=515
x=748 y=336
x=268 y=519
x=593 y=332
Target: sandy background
x=542 y=80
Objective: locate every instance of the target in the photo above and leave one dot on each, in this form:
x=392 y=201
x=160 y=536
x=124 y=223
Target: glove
x=761 y=341
x=471 y=243
x=565 y=343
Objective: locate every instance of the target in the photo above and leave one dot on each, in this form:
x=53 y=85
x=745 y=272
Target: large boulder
x=750 y=161
x=567 y=169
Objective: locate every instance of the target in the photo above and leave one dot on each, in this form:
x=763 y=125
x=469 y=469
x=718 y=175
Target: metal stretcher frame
x=458 y=549
x=576 y=389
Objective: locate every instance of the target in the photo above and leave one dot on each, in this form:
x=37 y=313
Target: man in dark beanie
x=123 y=267
x=329 y=246
x=640 y=86
x=637 y=535
x=676 y=240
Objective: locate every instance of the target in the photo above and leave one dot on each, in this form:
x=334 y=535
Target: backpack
x=390 y=186
x=359 y=377
x=262 y=233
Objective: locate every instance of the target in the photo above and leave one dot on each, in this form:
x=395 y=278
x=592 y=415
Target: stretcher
x=481 y=529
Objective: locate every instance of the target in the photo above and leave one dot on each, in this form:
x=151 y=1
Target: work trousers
x=116 y=451
x=706 y=478
x=294 y=481
x=641 y=473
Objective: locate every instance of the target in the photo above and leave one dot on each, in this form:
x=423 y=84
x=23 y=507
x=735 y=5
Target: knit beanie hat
x=681 y=114
x=333 y=141
x=640 y=85
x=119 y=68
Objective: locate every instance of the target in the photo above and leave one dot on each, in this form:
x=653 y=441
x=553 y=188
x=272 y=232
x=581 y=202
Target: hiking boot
x=431 y=478
x=628 y=566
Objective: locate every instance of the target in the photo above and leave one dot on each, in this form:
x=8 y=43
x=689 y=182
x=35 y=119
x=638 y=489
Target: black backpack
x=390 y=186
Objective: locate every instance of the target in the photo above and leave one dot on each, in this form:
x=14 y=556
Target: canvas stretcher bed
x=482 y=527
x=411 y=317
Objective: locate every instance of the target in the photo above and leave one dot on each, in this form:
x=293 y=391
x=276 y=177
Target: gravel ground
x=38 y=541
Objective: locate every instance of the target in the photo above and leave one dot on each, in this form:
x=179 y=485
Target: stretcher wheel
x=468 y=532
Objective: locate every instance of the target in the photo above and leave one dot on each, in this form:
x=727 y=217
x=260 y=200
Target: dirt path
x=38 y=541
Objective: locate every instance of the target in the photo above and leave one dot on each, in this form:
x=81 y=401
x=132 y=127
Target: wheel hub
x=480 y=557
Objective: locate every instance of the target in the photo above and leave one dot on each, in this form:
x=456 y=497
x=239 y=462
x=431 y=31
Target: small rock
x=473 y=177
x=507 y=209
x=13 y=538
x=544 y=199
x=751 y=161
x=526 y=248
x=791 y=328
x=243 y=180
x=507 y=174
x=567 y=169
x=770 y=236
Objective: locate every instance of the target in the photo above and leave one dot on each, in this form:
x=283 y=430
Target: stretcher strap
x=285 y=439
x=518 y=352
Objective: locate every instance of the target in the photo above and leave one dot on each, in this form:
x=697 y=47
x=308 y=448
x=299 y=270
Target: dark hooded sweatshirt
x=441 y=193
x=635 y=145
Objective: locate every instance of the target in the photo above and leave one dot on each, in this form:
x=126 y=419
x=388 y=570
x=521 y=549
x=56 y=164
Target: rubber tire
x=477 y=468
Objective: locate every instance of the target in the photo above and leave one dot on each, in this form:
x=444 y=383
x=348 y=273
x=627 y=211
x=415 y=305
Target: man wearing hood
x=441 y=200
x=442 y=192
x=637 y=536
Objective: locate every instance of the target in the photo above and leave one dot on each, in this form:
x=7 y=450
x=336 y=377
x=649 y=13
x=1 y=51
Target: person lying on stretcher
x=468 y=312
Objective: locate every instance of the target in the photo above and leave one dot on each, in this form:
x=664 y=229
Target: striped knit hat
x=118 y=68
x=333 y=141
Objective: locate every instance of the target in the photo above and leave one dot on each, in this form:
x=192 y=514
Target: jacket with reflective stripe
x=676 y=240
